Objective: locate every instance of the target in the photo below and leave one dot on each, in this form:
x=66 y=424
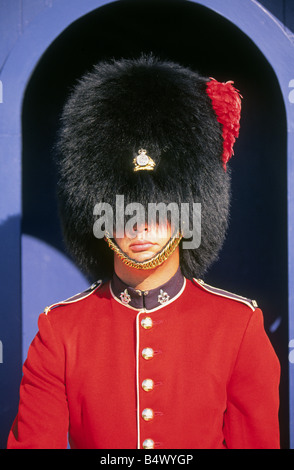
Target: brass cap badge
x=143 y=162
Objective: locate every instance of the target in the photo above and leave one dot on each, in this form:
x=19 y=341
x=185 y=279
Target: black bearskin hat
x=176 y=115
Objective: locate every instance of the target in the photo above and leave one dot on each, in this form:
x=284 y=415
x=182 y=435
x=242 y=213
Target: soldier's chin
x=143 y=256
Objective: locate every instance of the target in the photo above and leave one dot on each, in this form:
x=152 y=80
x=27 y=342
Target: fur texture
x=118 y=108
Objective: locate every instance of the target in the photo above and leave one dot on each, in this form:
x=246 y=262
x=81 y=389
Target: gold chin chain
x=157 y=259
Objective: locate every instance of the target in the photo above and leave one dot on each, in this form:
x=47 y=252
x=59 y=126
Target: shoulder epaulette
x=77 y=297
x=223 y=293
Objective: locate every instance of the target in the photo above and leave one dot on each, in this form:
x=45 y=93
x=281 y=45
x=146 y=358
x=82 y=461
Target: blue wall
x=43 y=50
x=283 y=10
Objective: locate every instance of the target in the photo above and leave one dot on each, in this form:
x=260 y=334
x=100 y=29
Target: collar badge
x=125 y=297
x=163 y=297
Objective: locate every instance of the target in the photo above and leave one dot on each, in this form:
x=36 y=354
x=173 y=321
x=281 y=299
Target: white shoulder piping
x=76 y=297
x=229 y=295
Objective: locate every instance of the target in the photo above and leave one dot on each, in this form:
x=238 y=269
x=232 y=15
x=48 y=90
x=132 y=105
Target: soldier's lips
x=143 y=245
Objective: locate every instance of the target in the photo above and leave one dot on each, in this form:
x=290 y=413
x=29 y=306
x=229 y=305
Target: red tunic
x=214 y=375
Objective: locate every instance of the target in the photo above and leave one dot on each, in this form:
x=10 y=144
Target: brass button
x=148 y=385
x=147 y=323
x=148 y=444
x=147 y=414
x=148 y=353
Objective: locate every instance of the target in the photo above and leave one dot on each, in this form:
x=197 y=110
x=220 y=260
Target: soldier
x=150 y=356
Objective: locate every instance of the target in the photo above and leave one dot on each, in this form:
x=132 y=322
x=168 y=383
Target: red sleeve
x=42 y=419
x=251 y=418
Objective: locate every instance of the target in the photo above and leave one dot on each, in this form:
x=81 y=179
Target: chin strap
x=151 y=263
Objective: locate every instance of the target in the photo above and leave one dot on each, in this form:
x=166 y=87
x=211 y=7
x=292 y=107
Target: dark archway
x=254 y=259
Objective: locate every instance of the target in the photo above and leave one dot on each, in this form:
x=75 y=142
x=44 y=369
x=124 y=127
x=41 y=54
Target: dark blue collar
x=147 y=299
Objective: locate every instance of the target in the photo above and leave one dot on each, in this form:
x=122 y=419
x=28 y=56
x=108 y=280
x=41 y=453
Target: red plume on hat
x=226 y=102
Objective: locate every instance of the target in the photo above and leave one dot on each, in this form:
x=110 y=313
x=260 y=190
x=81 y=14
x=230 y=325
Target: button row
x=147 y=384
